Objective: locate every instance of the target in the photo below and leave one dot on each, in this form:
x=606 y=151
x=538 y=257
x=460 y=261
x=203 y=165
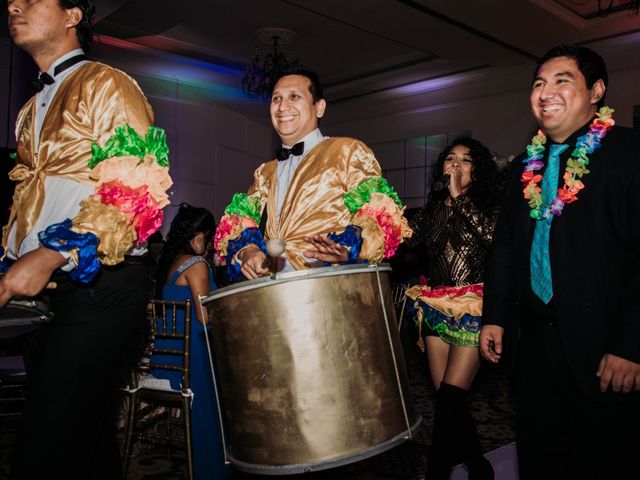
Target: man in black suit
x=565 y=269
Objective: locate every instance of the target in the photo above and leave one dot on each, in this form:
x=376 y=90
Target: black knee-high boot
x=479 y=467
x=440 y=459
x=455 y=438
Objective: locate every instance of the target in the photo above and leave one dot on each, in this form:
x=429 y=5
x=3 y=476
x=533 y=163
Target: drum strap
x=393 y=353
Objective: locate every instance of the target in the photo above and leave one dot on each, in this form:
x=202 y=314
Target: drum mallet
x=275 y=248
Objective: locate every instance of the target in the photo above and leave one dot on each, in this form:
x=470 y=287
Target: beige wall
x=214 y=151
x=493 y=107
x=16 y=70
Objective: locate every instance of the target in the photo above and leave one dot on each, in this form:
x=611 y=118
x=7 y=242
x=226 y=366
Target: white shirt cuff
x=70 y=265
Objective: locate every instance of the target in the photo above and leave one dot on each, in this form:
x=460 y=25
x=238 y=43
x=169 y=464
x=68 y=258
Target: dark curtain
x=6 y=185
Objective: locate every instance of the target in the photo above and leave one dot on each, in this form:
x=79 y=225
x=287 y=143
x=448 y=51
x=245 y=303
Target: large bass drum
x=311 y=369
x=23 y=316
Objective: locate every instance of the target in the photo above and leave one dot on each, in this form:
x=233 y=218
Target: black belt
x=59 y=276
x=538 y=319
x=128 y=261
x=136 y=259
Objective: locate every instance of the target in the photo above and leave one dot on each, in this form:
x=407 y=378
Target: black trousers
x=561 y=432
x=68 y=429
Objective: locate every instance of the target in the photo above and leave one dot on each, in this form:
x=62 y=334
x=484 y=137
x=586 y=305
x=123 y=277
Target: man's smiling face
x=294 y=114
x=560 y=99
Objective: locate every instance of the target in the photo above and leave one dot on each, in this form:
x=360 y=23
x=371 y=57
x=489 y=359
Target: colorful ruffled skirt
x=454 y=313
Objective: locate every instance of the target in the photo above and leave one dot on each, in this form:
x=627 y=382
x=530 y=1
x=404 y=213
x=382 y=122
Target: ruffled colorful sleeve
x=377 y=210
x=132 y=179
x=238 y=228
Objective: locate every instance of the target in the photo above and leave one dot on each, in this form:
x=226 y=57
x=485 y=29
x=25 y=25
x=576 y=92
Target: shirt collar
x=59 y=60
x=310 y=141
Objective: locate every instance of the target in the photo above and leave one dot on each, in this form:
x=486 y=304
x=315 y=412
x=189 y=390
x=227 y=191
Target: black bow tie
x=284 y=153
x=46 y=79
x=42 y=80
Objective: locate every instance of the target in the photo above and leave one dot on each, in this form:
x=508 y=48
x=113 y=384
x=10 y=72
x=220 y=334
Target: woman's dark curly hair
x=188 y=222
x=486 y=182
x=84 y=29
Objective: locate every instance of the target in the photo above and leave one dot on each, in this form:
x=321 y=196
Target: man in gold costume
x=318 y=186
x=92 y=174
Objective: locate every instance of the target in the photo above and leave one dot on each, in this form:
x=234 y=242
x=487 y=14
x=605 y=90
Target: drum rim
x=332 y=462
x=292 y=276
x=33 y=315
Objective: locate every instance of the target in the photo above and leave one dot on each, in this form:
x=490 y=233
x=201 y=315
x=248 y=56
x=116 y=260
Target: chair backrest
x=12 y=387
x=398 y=294
x=170 y=338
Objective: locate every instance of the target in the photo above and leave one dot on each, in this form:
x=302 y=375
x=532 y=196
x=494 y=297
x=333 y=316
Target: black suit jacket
x=595 y=258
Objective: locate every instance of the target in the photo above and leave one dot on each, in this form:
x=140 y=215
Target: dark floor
x=491 y=405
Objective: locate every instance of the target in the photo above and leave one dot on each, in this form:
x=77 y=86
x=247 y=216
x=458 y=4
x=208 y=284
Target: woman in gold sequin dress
x=456 y=228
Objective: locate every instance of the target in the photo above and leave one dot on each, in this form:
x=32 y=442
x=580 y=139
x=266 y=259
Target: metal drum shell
x=312 y=373
x=22 y=316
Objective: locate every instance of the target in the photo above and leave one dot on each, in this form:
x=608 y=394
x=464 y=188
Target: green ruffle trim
x=126 y=141
x=459 y=338
x=245 y=206
x=358 y=196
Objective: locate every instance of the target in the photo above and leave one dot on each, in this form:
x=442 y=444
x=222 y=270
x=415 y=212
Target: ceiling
x=364 y=50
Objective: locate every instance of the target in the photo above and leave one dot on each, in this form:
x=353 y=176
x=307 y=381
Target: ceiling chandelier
x=607 y=7
x=260 y=74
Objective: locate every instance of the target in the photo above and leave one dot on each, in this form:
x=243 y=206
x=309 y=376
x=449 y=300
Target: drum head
x=296 y=276
x=20 y=317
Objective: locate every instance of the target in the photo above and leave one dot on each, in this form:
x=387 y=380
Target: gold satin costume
x=314 y=202
x=96 y=99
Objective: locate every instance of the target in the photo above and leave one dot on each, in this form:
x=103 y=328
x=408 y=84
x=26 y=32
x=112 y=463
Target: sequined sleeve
x=481 y=224
x=418 y=224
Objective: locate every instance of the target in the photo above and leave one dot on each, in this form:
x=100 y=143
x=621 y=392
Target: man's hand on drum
x=326 y=250
x=29 y=274
x=252 y=259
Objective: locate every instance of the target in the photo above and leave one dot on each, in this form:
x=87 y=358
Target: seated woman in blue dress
x=186 y=274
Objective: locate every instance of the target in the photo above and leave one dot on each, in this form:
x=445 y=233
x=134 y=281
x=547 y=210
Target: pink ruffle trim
x=451 y=292
x=230 y=227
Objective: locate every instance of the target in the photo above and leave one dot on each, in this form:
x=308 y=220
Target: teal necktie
x=540 y=261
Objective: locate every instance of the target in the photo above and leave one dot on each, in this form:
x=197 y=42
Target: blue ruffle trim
x=5 y=263
x=61 y=238
x=248 y=235
x=464 y=331
x=350 y=238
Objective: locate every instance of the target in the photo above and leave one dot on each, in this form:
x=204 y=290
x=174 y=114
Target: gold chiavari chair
x=398 y=293
x=168 y=350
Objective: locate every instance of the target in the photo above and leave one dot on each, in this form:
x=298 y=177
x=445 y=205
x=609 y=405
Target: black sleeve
x=499 y=287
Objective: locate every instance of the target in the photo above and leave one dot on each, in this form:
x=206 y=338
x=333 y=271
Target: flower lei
x=575 y=170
